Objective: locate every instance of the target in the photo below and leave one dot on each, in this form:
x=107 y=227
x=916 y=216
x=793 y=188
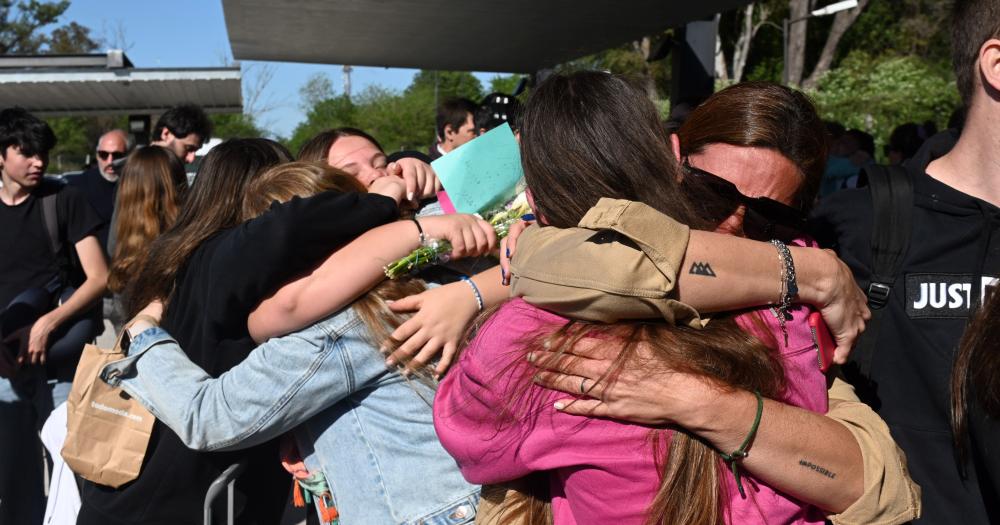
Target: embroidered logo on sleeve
x=936 y=295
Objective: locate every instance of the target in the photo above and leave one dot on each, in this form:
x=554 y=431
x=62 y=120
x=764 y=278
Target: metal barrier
x=227 y=479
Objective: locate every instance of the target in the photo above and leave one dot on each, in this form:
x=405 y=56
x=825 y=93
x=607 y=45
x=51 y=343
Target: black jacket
x=954 y=253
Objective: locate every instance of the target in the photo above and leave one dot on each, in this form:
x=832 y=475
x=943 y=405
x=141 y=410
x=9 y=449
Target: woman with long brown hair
x=975 y=401
x=643 y=476
x=150 y=194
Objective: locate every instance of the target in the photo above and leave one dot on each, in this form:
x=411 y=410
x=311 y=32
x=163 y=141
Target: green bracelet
x=733 y=458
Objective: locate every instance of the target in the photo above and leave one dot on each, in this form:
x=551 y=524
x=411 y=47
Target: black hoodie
x=954 y=254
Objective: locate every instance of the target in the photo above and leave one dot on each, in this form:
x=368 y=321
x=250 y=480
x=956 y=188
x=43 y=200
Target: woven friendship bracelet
x=734 y=457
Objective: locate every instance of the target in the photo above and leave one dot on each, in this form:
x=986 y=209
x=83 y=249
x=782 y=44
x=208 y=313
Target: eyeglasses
x=103 y=155
x=765 y=218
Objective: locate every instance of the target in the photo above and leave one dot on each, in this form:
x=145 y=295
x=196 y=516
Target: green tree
x=330 y=113
x=876 y=94
x=449 y=84
x=235 y=125
x=505 y=83
x=20 y=25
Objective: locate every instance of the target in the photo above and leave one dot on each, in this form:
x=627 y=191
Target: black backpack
x=892 y=224
x=70 y=270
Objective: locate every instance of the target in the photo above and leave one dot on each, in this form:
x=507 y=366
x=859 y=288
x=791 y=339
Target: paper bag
x=107 y=430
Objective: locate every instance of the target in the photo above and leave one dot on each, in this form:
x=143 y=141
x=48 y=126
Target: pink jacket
x=601 y=471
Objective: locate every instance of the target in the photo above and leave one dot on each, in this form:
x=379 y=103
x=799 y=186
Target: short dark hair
x=453 y=112
x=30 y=134
x=973 y=23
x=318 y=147
x=183 y=121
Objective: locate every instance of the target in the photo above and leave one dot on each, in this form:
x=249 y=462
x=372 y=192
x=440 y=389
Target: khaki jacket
x=622 y=263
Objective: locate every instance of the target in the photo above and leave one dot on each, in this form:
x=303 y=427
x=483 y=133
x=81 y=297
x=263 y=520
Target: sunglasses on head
x=103 y=155
x=765 y=218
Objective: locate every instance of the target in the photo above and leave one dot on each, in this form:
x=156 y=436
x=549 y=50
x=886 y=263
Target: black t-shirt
x=100 y=193
x=218 y=287
x=26 y=258
x=954 y=252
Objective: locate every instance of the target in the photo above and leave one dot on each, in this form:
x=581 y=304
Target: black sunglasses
x=765 y=218
x=103 y=155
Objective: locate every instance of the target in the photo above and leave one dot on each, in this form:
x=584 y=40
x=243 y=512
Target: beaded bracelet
x=741 y=453
x=475 y=291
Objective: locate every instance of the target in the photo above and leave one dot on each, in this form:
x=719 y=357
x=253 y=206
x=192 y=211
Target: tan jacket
x=622 y=263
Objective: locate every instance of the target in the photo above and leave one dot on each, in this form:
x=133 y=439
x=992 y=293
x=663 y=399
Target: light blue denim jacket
x=367 y=428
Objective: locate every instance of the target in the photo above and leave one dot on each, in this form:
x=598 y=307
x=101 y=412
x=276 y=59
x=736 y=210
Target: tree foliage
x=399 y=120
x=876 y=94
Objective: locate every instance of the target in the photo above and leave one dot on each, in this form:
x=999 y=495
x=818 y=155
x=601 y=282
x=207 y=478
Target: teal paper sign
x=482 y=173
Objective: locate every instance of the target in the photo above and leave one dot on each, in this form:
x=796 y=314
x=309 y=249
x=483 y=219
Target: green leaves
x=877 y=94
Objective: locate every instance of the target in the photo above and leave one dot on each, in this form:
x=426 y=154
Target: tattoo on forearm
x=702 y=268
x=818 y=469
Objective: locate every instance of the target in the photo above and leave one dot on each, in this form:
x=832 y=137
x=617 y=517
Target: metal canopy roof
x=106 y=84
x=519 y=36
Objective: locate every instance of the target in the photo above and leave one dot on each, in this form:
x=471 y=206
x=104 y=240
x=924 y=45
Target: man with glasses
x=100 y=183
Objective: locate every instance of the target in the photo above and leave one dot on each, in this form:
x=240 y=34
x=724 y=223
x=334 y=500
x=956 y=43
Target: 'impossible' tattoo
x=818 y=469
x=702 y=268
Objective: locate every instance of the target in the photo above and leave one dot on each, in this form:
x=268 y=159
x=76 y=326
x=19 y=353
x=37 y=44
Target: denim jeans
x=25 y=403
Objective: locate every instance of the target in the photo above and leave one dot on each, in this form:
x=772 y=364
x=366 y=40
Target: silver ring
x=583 y=387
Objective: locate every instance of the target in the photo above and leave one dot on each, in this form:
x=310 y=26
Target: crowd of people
x=737 y=317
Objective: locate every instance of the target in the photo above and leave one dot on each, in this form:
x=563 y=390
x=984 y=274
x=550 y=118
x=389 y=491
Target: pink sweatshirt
x=601 y=471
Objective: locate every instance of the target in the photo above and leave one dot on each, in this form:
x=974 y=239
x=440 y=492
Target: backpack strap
x=892 y=204
x=50 y=215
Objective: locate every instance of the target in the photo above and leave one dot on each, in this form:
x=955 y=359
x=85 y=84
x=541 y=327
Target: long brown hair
x=317 y=149
x=152 y=188
x=304 y=179
x=763 y=115
x=214 y=203
x=589 y=135
x=976 y=371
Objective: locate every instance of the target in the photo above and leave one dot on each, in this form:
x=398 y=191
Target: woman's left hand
x=438 y=326
x=636 y=392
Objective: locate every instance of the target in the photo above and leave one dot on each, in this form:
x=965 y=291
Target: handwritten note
x=482 y=173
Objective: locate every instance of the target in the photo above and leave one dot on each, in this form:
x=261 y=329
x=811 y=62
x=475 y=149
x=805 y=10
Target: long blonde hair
x=152 y=188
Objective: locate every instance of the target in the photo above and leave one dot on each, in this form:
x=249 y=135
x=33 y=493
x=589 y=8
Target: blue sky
x=192 y=33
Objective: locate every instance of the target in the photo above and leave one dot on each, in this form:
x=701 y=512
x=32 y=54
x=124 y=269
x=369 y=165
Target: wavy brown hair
x=975 y=377
x=152 y=188
x=214 y=203
x=590 y=135
x=763 y=115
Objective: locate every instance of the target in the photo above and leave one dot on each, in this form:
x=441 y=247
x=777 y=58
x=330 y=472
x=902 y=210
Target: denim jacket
x=367 y=428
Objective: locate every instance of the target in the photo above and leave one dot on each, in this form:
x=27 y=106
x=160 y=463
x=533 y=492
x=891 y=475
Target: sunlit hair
x=317 y=149
x=304 y=179
x=589 y=135
x=214 y=203
x=763 y=115
x=152 y=187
